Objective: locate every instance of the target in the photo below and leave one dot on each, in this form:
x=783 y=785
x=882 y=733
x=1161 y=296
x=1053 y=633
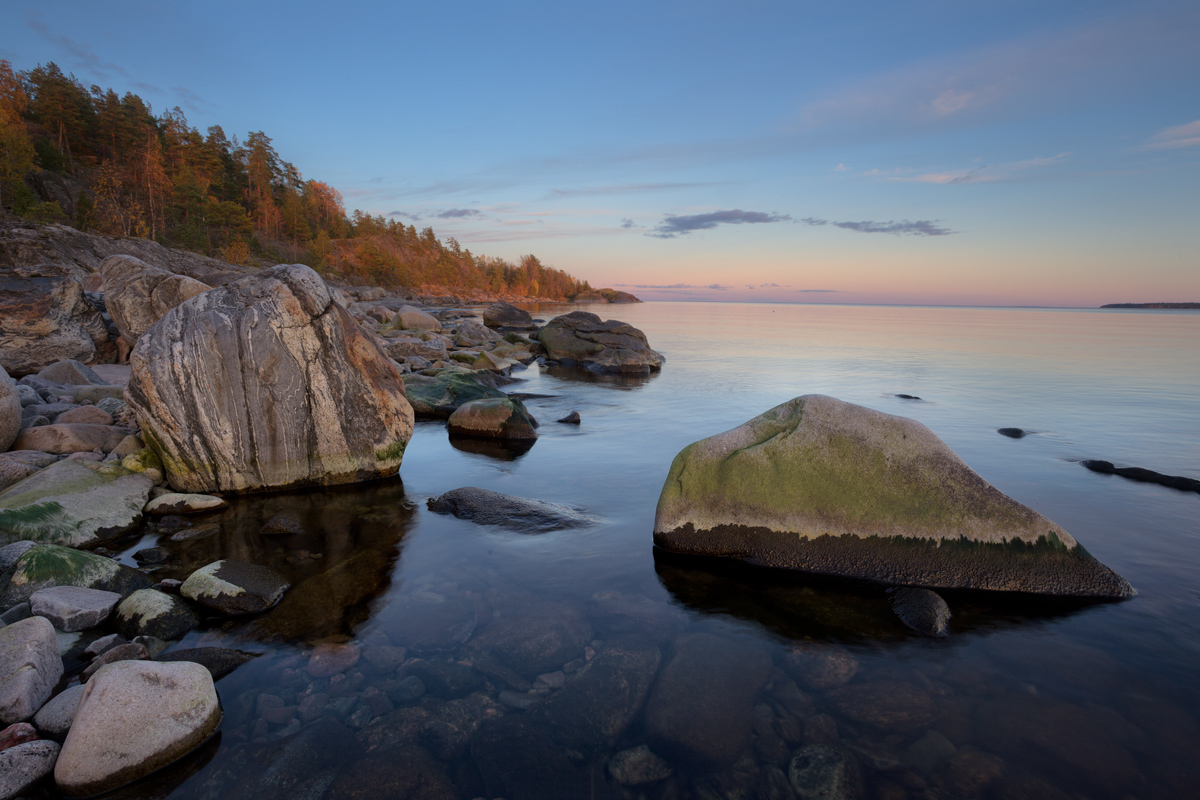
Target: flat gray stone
x=73 y=608
x=180 y=503
x=30 y=666
x=134 y=718
x=24 y=765
x=54 y=719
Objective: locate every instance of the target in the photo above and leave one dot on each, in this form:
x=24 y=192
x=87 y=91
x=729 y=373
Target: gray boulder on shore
x=825 y=486
x=138 y=294
x=582 y=339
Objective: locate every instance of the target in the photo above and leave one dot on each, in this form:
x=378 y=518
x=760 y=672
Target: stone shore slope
x=825 y=486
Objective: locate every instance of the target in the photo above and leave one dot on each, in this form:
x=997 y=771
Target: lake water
x=1027 y=697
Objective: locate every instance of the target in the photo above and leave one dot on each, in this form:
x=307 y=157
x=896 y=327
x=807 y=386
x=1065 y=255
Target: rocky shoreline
x=276 y=380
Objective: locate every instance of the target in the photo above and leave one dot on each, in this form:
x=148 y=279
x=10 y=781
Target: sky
x=928 y=152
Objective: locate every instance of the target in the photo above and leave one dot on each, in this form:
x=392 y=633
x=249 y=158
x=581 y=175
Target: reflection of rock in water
x=501 y=450
x=799 y=606
x=167 y=781
x=616 y=380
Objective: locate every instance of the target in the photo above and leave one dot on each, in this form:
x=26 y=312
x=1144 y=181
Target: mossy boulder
x=149 y=612
x=825 y=486
x=582 y=339
x=493 y=418
x=234 y=587
x=46 y=565
x=74 y=503
x=440 y=396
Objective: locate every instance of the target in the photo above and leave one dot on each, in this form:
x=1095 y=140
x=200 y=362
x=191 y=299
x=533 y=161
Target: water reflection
x=497 y=449
x=618 y=380
x=796 y=605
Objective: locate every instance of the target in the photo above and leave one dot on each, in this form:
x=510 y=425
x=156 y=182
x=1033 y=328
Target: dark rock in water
x=1144 y=475
x=581 y=339
x=234 y=587
x=908 y=397
x=152 y=555
x=406 y=690
x=588 y=715
x=921 y=609
x=330 y=602
x=518 y=762
x=220 y=661
x=571 y=419
x=498 y=449
x=153 y=613
x=428 y=623
x=285 y=523
x=493 y=418
x=526 y=515
x=700 y=708
x=820 y=666
x=406 y=773
x=638 y=766
x=820 y=485
x=534 y=637
x=300 y=767
x=446 y=679
x=506 y=315
x=451 y=725
x=890 y=706
x=1012 y=433
x=825 y=772
x=440 y=396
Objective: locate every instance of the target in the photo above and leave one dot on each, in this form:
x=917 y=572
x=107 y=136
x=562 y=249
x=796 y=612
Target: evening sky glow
x=1022 y=153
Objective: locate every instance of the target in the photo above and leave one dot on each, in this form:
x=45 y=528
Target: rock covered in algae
x=264 y=384
x=825 y=486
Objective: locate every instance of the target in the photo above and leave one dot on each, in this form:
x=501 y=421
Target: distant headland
x=1152 y=305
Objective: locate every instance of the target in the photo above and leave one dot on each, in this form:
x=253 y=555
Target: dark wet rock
x=154 y=645
x=441 y=395
x=908 y=397
x=820 y=666
x=329 y=602
x=523 y=514
x=198 y=532
x=589 y=713
x=493 y=418
x=534 y=637
x=820 y=729
x=824 y=772
x=1012 y=433
x=23 y=766
x=330 y=658
x=571 y=419
x=149 y=612
x=134 y=718
x=970 y=773
x=824 y=486
x=700 y=707
x=54 y=719
x=278 y=379
x=452 y=725
x=151 y=555
x=406 y=773
x=922 y=610
x=48 y=565
x=929 y=752
x=30 y=666
x=505 y=315
x=890 y=706
x=637 y=766
x=103 y=644
x=73 y=608
x=44 y=318
x=428 y=623
x=406 y=690
x=581 y=339
x=138 y=294
x=518 y=762
x=132 y=651
x=73 y=503
x=1144 y=475
x=285 y=523
x=219 y=661
x=446 y=679
x=384 y=658
x=301 y=767
x=234 y=587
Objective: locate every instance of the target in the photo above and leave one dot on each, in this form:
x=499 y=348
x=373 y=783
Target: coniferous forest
x=117 y=168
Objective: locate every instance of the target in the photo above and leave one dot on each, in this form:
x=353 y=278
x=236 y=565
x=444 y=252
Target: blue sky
x=927 y=152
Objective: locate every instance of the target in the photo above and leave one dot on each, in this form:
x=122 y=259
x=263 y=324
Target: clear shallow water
x=1027 y=697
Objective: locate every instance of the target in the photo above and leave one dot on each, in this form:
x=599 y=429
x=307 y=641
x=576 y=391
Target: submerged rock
x=523 y=514
x=824 y=772
x=440 y=396
x=74 y=503
x=825 y=486
x=138 y=294
x=265 y=384
x=581 y=339
x=135 y=717
x=922 y=610
x=493 y=418
x=219 y=661
x=234 y=587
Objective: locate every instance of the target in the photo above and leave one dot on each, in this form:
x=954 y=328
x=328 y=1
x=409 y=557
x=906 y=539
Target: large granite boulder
x=505 y=315
x=135 y=717
x=825 y=486
x=30 y=666
x=45 y=565
x=138 y=294
x=581 y=339
x=45 y=317
x=440 y=395
x=493 y=418
x=264 y=384
x=74 y=503
x=10 y=410
x=409 y=318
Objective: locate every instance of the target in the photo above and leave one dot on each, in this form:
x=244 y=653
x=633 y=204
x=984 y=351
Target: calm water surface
x=1026 y=698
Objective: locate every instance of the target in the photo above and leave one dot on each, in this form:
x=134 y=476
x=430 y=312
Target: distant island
x=1152 y=305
